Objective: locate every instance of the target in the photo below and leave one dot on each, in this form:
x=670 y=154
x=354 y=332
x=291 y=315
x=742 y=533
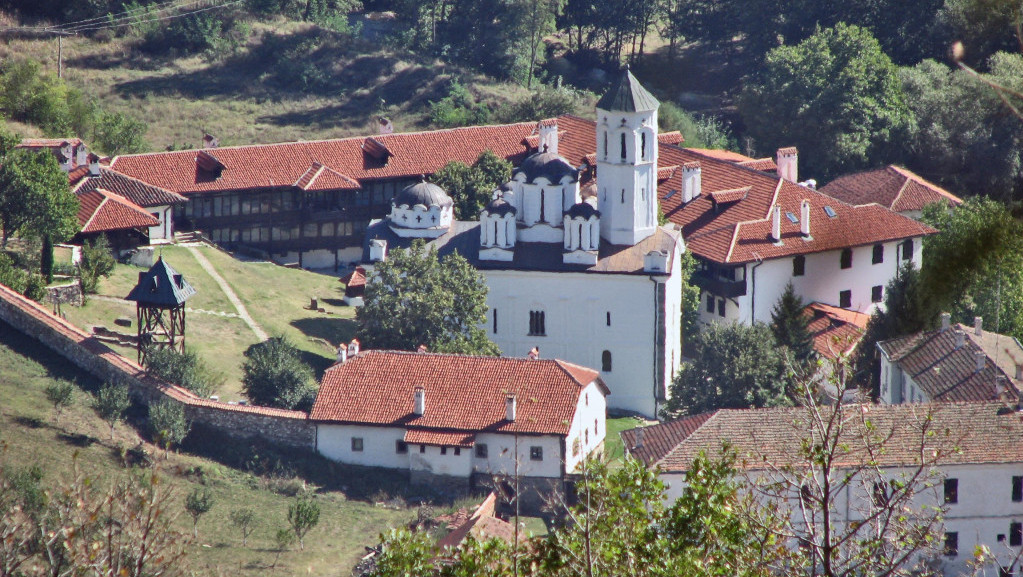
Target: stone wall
x=280 y=426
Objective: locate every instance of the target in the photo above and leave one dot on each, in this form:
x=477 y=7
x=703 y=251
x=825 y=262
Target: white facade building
x=977 y=478
x=456 y=416
x=953 y=363
x=592 y=280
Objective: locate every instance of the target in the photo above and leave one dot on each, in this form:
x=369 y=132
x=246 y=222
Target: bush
x=275 y=376
x=547 y=102
x=97 y=261
x=118 y=133
x=458 y=108
x=698 y=131
x=182 y=368
x=167 y=423
x=29 y=95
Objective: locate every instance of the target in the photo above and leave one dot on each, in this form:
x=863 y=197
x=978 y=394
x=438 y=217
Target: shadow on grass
x=56 y=366
x=331 y=329
x=77 y=439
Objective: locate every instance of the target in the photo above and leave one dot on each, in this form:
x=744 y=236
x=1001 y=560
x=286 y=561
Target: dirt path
x=111 y=299
x=242 y=312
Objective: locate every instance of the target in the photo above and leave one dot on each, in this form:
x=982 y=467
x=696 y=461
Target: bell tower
x=627 y=161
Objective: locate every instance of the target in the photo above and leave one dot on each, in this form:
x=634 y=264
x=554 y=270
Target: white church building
x=589 y=277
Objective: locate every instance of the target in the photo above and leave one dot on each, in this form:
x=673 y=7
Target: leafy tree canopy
x=836 y=95
x=415 y=298
x=734 y=366
x=471 y=187
x=276 y=376
x=35 y=198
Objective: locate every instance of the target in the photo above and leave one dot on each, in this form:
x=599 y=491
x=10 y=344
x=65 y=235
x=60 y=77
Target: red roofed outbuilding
x=459 y=417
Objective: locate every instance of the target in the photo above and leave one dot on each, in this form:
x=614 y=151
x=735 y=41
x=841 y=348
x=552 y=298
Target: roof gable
x=103 y=211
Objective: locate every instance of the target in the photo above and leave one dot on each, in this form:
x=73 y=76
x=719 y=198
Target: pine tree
x=789 y=325
x=46 y=259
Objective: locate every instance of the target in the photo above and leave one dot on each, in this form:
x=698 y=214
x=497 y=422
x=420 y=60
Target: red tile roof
x=48 y=142
x=440 y=438
x=135 y=190
x=101 y=211
x=739 y=232
x=464 y=394
x=482 y=525
x=984 y=432
x=946 y=373
x=893 y=187
x=656 y=441
x=355 y=282
x=835 y=330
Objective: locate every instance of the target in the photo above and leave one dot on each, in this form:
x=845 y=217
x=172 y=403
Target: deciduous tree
x=276 y=376
x=303 y=516
x=414 y=298
x=35 y=198
x=61 y=395
x=111 y=402
x=734 y=366
x=168 y=424
x=198 y=503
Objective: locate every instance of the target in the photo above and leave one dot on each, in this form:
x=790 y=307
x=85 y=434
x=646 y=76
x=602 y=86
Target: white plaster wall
x=323 y=258
x=428 y=459
x=822 y=281
x=164 y=230
x=501 y=455
x=588 y=427
x=378 y=445
x=576 y=307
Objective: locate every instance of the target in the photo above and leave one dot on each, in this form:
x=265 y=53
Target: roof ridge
x=97 y=209
x=713 y=415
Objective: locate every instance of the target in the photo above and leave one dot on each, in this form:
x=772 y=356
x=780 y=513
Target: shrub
x=61 y=395
x=458 y=108
x=546 y=102
x=699 y=131
x=118 y=133
x=168 y=424
x=182 y=368
x=97 y=261
x=275 y=376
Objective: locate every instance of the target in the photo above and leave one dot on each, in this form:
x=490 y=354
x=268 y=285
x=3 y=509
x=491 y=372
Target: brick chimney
x=981 y=359
x=788 y=163
x=960 y=339
x=509 y=408
x=639 y=438
x=978 y=326
x=776 y=224
x=1000 y=387
x=419 y=401
x=946 y=321
x=534 y=353
x=804 y=219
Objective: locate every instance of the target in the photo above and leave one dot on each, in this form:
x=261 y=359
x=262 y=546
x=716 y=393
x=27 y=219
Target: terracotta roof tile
x=946 y=373
x=762 y=164
x=666 y=172
x=140 y=193
x=440 y=438
x=464 y=394
x=657 y=441
x=984 y=432
x=101 y=211
x=482 y=525
x=673 y=137
x=893 y=187
x=835 y=330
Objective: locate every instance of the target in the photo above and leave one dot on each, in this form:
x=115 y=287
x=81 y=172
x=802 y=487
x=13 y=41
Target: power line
x=126 y=19
x=126 y=11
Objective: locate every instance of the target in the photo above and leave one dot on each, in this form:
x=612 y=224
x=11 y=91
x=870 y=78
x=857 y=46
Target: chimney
x=691 y=181
x=509 y=408
x=788 y=163
x=804 y=219
x=946 y=321
x=384 y=125
x=776 y=224
x=82 y=155
x=978 y=326
x=999 y=386
x=353 y=348
x=549 y=136
x=639 y=438
x=419 y=401
x=960 y=339
x=1019 y=372
x=1019 y=399
x=210 y=141
x=342 y=353
x=93 y=165
x=377 y=250
x=534 y=353
x=981 y=359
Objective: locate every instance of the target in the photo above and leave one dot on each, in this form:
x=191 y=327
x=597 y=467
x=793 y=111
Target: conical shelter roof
x=161 y=286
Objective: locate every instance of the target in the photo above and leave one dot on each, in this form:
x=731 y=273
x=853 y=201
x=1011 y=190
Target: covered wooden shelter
x=160 y=297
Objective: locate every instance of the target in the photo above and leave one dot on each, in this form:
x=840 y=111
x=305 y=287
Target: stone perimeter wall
x=283 y=427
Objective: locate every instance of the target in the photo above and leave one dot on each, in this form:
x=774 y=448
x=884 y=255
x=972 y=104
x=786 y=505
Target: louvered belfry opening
x=160 y=297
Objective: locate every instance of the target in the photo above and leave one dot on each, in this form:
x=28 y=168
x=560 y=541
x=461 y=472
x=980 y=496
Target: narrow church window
x=605 y=144
x=495 y=321
x=605 y=361
x=799 y=265
x=623 y=146
x=608 y=318
x=543 y=201
x=623 y=196
x=642 y=145
x=721 y=307
x=537 y=323
x=710 y=303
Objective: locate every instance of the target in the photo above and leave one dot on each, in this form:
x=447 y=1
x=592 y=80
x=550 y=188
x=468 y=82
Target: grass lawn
x=276 y=297
x=614 y=449
x=29 y=435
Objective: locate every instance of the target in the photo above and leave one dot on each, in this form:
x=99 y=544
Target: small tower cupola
x=422 y=210
x=498 y=230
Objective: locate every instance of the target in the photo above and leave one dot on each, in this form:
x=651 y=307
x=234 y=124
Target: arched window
x=605 y=361
x=623 y=146
x=642 y=145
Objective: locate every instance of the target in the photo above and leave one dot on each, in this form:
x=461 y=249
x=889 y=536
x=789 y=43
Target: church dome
x=499 y=207
x=583 y=210
x=548 y=165
x=424 y=193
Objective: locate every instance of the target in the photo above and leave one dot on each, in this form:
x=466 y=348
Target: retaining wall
x=284 y=427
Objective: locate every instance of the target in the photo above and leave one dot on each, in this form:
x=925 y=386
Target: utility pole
x=60 y=51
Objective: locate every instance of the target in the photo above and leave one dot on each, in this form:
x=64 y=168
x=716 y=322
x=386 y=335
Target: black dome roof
x=500 y=207
x=424 y=193
x=583 y=209
x=548 y=165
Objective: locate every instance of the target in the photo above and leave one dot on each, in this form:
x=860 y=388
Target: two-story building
x=461 y=420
